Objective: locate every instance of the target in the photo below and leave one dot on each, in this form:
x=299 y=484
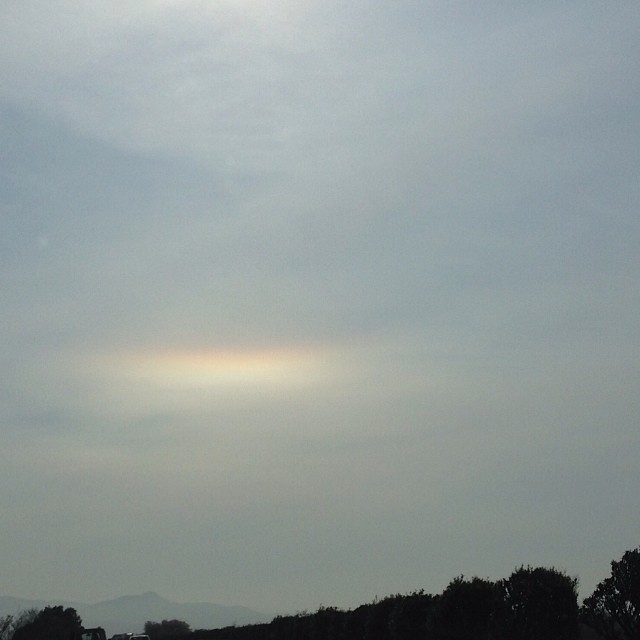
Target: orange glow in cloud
x=192 y=369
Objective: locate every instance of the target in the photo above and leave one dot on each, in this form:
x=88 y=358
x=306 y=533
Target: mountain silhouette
x=129 y=613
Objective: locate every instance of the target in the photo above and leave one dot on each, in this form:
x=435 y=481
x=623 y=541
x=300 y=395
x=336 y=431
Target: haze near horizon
x=307 y=303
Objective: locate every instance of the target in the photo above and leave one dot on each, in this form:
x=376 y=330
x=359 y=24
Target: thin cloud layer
x=305 y=303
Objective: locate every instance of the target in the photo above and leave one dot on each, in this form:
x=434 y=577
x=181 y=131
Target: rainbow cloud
x=185 y=369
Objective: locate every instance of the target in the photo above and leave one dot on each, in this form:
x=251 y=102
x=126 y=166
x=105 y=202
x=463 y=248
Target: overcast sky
x=306 y=302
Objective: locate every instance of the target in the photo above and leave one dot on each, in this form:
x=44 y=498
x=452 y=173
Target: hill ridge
x=130 y=612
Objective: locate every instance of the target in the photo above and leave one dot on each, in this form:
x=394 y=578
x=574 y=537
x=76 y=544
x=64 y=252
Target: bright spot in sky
x=237 y=368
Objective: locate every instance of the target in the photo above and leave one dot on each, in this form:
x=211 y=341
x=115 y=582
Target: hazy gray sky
x=306 y=302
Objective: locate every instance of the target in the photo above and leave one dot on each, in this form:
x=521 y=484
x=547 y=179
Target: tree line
x=533 y=603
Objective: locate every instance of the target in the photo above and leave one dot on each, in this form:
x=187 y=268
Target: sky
x=306 y=303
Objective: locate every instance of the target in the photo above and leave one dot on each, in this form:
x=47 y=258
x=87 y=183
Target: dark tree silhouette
x=10 y=623
x=6 y=627
x=51 y=623
x=464 y=609
x=536 y=604
x=326 y=624
x=376 y=626
x=166 y=629
x=613 y=609
x=288 y=627
x=411 y=616
x=355 y=623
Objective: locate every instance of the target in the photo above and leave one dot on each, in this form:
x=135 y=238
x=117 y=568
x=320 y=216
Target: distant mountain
x=129 y=613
